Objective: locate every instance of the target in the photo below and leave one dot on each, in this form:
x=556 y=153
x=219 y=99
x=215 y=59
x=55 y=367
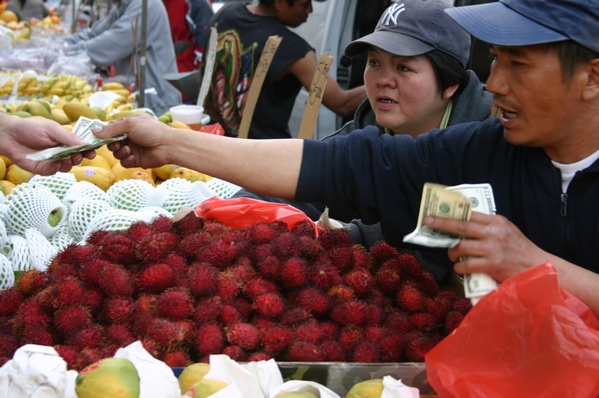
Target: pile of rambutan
x=192 y=288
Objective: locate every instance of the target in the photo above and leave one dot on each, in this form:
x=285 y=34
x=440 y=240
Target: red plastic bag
x=528 y=338
x=243 y=212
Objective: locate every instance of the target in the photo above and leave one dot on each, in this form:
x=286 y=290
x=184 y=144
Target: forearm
x=580 y=282
x=268 y=167
x=342 y=102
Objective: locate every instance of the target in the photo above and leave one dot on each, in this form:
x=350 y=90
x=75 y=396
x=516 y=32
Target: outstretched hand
x=21 y=137
x=491 y=244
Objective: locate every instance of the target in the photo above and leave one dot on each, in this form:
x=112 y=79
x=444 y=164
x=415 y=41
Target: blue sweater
x=380 y=178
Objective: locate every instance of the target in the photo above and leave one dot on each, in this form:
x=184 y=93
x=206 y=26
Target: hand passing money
x=84 y=130
x=455 y=202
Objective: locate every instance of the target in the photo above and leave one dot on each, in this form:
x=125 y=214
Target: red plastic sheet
x=243 y=212
x=528 y=338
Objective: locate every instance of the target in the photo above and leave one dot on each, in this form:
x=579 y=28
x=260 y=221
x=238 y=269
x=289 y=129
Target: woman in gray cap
x=416 y=80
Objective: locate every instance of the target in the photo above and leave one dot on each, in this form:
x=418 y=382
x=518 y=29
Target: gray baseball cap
x=414 y=27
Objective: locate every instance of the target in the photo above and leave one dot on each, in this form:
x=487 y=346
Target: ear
x=449 y=91
x=591 y=88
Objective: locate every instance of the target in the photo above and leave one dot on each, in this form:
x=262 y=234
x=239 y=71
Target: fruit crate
x=341 y=376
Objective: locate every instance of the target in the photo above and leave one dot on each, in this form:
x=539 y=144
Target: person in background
x=21 y=137
x=541 y=155
x=243 y=30
x=416 y=80
x=188 y=20
x=110 y=41
x=27 y=10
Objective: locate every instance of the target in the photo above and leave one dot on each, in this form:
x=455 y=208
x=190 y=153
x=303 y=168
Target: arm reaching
x=495 y=246
x=21 y=137
x=269 y=167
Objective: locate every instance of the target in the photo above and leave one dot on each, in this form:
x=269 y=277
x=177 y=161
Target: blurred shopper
x=111 y=41
x=27 y=10
x=243 y=30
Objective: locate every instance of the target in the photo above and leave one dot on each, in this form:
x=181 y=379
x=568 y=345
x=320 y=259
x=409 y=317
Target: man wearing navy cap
x=540 y=156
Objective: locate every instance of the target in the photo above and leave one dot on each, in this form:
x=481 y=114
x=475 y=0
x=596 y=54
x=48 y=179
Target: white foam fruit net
x=62 y=238
x=175 y=193
x=32 y=206
x=41 y=251
x=82 y=213
x=84 y=190
x=3 y=235
x=7 y=275
x=18 y=253
x=115 y=220
x=58 y=183
x=129 y=194
x=223 y=189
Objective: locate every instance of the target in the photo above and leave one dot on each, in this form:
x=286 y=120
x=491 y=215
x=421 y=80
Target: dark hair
x=271 y=2
x=449 y=70
x=571 y=56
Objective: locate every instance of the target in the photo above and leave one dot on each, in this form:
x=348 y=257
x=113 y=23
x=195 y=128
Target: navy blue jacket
x=380 y=178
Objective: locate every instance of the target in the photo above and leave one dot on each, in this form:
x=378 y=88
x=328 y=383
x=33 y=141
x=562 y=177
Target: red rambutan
x=437 y=308
x=349 y=312
x=235 y=352
x=207 y=310
x=202 y=279
x=177 y=262
x=330 y=329
x=69 y=354
x=176 y=359
x=417 y=348
x=170 y=335
x=89 y=337
x=269 y=267
x=243 y=269
x=36 y=335
x=392 y=347
x=119 y=335
x=156 y=278
x=61 y=271
x=162 y=223
x=270 y=304
x=399 y=322
x=223 y=251
x=310 y=248
x=152 y=347
x=375 y=333
x=70 y=319
x=303 y=351
x=286 y=245
x=10 y=299
x=332 y=350
x=31 y=282
x=68 y=292
x=141 y=324
x=118 y=310
x=30 y=314
x=8 y=345
x=262 y=232
x=409 y=298
x=259 y=356
x=188 y=224
x=86 y=357
x=309 y=331
x=334 y=238
x=452 y=321
x=313 y=300
x=174 y=304
x=410 y=265
x=362 y=258
x=276 y=339
x=359 y=280
x=382 y=251
x=139 y=229
x=96 y=237
x=155 y=247
x=366 y=351
x=244 y=306
x=115 y=281
x=387 y=279
x=323 y=274
x=91 y=272
x=259 y=252
x=230 y=314
x=294 y=272
x=294 y=316
x=228 y=286
x=245 y=335
x=262 y=322
x=341 y=293
x=423 y=321
x=215 y=228
x=428 y=285
x=374 y=314
x=342 y=257
x=191 y=245
x=257 y=286
x=146 y=303
x=304 y=228
x=462 y=305
x=209 y=339
x=349 y=336
x=118 y=248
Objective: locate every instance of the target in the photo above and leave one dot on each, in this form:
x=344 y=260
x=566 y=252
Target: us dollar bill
x=83 y=128
x=434 y=201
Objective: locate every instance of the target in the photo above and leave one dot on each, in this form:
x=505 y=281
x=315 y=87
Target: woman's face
x=404 y=93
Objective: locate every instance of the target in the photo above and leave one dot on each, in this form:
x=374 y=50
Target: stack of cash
x=454 y=202
x=83 y=129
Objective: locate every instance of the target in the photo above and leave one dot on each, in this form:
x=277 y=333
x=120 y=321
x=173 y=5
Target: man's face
x=540 y=107
x=295 y=15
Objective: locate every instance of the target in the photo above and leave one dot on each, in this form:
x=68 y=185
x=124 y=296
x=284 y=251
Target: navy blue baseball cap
x=529 y=22
x=414 y=27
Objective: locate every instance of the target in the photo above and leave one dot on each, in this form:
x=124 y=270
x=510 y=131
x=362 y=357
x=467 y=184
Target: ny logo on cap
x=391 y=15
